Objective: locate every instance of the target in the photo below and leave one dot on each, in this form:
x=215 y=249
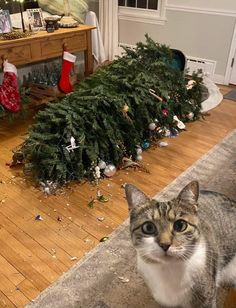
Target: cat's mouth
x=168 y=255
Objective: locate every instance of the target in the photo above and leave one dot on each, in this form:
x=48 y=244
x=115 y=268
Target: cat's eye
x=180 y=225
x=149 y=228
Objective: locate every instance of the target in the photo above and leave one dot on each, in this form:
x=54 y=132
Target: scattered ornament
x=101 y=218
x=59 y=218
x=139 y=157
x=125 y=108
x=156 y=121
x=110 y=170
x=104 y=239
x=167 y=132
x=123 y=185
x=152 y=126
x=124 y=279
x=128 y=162
x=73 y=258
x=139 y=150
x=165 y=112
x=180 y=124
x=190 y=84
x=38 y=218
x=48 y=187
x=102 y=164
x=87 y=240
x=190 y=115
x=17 y=159
x=72 y=145
x=145 y=145
x=125 y=111
x=91 y=203
x=162 y=144
x=97 y=172
x=102 y=199
x=153 y=93
x=174 y=133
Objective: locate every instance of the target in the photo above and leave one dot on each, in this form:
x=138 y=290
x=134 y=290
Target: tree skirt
x=214 y=97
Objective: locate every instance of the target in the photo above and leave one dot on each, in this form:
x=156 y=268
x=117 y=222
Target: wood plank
x=12 y=293
x=5 y=302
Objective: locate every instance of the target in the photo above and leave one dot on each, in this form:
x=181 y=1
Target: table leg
x=88 y=56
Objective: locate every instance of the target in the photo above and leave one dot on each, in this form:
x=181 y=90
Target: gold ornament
x=125 y=108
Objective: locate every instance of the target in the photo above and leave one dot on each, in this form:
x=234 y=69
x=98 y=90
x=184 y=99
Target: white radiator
x=207 y=66
x=193 y=63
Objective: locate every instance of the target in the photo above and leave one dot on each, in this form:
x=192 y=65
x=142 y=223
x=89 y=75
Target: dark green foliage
x=94 y=114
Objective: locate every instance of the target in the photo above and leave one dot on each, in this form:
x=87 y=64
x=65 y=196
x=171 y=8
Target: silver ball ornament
x=139 y=157
x=110 y=170
x=102 y=165
x=139 y=151
x=152 y=126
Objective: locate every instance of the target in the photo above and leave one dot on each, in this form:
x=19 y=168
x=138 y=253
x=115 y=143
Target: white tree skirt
x=215 y=97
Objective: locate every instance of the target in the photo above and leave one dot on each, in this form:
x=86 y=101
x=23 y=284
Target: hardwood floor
x=33 y=254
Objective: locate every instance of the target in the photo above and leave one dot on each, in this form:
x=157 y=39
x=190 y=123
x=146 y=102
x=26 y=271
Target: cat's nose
x=165 y=247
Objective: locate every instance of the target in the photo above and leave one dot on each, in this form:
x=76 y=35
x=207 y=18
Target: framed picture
x=5 y=22
x=35 y=19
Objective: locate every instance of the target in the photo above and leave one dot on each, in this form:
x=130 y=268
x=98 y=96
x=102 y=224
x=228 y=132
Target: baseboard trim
x=220 y=79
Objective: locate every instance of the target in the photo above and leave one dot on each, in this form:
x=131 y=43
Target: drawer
x=17 y=54
x=51 y=47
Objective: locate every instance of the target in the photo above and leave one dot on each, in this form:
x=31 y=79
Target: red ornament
x=165 y=112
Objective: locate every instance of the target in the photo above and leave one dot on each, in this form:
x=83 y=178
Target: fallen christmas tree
x=122 y=106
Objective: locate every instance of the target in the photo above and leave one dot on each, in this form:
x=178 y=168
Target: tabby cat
x=186 y=247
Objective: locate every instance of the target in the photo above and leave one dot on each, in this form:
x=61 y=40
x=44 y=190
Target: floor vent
x=207 y=66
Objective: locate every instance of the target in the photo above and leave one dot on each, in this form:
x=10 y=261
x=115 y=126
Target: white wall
x=201 y=29
x=222 y=5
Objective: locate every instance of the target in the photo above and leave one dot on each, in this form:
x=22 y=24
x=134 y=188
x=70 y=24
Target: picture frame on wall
x=35 y=17
x=5 y=22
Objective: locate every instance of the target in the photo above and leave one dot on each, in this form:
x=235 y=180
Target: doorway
x=230 y=76
x=232 y=79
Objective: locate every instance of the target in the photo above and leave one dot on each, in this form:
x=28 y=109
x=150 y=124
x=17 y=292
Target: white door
x=233 y=71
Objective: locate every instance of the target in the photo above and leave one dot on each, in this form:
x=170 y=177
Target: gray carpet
x=231 y=95
x=107 y=276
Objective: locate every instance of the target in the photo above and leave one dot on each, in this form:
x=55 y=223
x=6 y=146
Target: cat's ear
x=190 y=193
x=134 y=196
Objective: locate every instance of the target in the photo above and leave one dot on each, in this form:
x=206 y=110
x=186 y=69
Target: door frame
x=232 y=54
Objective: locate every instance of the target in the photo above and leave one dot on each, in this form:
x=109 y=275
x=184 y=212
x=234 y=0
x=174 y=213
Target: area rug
x=231 y=95
x=107 y=276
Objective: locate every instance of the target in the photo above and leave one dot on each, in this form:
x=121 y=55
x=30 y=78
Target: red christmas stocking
x=9 y=91
x=64 y=82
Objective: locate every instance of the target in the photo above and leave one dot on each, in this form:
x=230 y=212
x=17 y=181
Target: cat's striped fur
x=186 y=247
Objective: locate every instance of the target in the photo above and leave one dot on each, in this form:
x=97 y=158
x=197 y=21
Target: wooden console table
x=42 y=46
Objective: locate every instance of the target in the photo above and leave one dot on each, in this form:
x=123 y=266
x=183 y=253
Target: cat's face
x=164 y=231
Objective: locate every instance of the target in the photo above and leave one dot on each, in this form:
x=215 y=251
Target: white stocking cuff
x=69 y=57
